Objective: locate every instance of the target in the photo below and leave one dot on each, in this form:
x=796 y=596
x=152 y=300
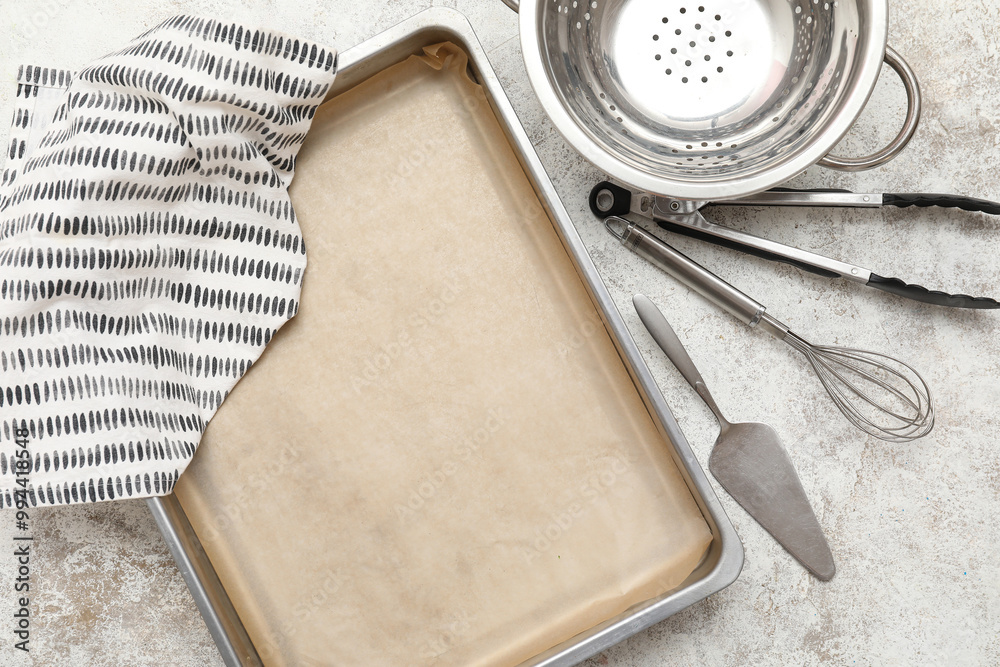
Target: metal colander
x=709 y=99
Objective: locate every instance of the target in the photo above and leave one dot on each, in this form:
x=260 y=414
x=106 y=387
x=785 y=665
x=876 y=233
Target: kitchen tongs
x=684 y=217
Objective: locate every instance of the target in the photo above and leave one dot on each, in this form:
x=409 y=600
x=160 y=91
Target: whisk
x=878 y=394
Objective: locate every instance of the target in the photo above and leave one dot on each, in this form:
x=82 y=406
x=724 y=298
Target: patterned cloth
x=148 y=251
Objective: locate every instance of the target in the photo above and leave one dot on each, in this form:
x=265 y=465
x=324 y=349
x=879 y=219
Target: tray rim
x=725 y=557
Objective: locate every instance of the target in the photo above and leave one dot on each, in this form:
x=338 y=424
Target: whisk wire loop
x=878 y=394
x=852 y=359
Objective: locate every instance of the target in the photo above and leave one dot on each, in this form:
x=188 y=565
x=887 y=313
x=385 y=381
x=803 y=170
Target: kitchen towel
x=148 y=251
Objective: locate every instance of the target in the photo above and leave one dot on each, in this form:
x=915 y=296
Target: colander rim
x=872 y=43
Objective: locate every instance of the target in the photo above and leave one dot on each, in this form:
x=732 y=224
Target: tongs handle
x=808 y=197
x=808 y=262
x=924 y=199
x=934 y=297
x=745 y=248
x=849 y=199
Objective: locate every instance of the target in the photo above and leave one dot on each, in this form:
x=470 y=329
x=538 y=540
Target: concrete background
x=913 y=527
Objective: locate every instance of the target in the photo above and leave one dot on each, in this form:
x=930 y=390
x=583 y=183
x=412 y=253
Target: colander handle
x=912 y=86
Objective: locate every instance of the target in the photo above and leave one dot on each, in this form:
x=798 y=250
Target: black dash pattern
x=148 y=249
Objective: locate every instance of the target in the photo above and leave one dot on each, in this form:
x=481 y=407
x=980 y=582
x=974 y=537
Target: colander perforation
x=703 y=92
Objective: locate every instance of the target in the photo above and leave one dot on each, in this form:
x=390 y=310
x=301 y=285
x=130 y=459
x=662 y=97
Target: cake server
x=750 y=462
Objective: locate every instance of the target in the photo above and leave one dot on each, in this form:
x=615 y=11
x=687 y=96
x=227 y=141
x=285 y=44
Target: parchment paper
x=441 y=459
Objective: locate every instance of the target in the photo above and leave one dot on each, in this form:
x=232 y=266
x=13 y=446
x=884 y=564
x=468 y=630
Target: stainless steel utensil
x=848 y=199
x=710 y=99
x=882 y=396
x=750 y=463
x=685 y=217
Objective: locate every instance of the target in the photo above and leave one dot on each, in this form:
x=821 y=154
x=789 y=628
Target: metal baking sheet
x=725 y=556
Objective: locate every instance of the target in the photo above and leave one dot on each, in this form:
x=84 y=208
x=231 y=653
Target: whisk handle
x=693 y=275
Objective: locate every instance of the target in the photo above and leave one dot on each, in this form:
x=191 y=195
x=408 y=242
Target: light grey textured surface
x=913 y=527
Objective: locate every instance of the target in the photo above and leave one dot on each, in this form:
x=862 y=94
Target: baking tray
x=724 y=558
